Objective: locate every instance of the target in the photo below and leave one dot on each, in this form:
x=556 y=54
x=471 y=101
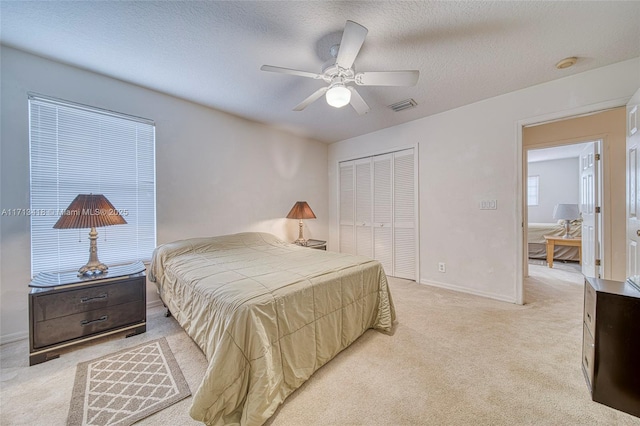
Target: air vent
x=402 y=105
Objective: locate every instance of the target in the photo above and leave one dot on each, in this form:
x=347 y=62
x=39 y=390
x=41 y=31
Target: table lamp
x=301 y=210
x=90 y=211
x=566 y=212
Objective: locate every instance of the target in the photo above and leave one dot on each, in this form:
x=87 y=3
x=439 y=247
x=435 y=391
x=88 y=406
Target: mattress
x=267 y=314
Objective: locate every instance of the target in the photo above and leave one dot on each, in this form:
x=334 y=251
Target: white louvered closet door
x=382 y=211
x=404 y=216
x=378 y=211
x=363 y=201
x=347 y=208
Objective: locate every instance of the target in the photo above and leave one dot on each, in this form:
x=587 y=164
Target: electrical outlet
x=442 y=267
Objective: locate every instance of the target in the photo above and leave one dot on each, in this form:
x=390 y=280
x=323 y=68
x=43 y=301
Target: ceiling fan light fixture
x=338 y=96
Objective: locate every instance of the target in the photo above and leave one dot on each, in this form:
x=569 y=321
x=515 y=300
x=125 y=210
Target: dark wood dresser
x=611 y=343
x=65 y=309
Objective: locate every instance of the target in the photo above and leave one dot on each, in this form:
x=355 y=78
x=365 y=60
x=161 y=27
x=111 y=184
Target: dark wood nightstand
x=65 y=309
x=611 y=343
x=316 y=244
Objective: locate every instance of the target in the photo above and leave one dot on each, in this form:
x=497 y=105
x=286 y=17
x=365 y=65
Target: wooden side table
x=553 y=241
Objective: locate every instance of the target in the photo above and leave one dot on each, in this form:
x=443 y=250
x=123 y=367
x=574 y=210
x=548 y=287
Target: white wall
x=215 y=173
x=558 y=183
x=473 y=153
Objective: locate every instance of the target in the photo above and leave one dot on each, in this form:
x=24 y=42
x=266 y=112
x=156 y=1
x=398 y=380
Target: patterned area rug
x=126 y=386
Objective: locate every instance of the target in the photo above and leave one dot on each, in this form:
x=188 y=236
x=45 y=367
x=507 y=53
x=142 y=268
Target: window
x=75 y=149
x=532 y=190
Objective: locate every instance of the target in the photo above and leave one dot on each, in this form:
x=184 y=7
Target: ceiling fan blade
x=352 y=40
x=357 y=102
x=387 y=78
x=289 y=71
x=314 y=97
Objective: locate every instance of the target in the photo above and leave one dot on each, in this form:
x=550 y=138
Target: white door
x=590 y=209
x=378 y=211
x=633 y=190
x=347 y=207
x=364 y=203
x=404 y=215
x=382 y=212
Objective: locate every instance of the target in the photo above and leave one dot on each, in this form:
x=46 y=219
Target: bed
x=537 y=244
x=266 y=314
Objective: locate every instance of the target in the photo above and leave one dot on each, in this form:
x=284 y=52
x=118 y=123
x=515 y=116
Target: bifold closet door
x=364 y=204
x=377 y=210
x=347 y=208
x=404 y=215
x=383 y=211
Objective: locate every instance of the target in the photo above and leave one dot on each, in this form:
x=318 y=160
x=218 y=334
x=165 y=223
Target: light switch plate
x=489 y=205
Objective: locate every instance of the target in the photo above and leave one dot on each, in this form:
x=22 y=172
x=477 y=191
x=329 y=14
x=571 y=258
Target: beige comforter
x=266 y=314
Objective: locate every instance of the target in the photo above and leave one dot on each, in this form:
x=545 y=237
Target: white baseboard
x=467 y=290
x=22 y=335
x=154 y=303
x=14 y=337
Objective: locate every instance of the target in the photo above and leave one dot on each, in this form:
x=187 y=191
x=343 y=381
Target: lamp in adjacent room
x=301 y=210
x=566 y=212
x=90 y=211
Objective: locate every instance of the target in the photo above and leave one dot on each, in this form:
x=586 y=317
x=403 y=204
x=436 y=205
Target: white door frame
x=521 y=207
x=595 y=250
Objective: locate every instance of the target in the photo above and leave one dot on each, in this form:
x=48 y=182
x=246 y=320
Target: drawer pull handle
x=589 y=316
x=94 y=298
x=89 y=322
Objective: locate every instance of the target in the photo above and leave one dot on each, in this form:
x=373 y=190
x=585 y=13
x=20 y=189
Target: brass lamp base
x=300 y=241
x=93 y=266
x=92 y=269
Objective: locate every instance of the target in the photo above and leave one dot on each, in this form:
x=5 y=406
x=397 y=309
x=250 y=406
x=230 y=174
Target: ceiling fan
x=339 y=70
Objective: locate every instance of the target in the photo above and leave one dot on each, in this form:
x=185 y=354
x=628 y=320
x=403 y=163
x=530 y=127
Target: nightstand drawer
x=587 y=354
x=589 y=316
x=83 y=324
x=84 y=299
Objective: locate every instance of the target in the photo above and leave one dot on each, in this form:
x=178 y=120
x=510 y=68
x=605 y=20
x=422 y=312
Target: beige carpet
x=124 y=387
x=454 y=359
x=561 y=265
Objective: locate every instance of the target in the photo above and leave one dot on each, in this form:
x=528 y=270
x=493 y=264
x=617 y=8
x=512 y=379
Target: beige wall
x=216 y=173
x=610 y=126
x=473 y=153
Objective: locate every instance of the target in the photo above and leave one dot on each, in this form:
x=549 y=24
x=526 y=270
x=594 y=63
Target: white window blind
x=533 y=188
x=75 y=149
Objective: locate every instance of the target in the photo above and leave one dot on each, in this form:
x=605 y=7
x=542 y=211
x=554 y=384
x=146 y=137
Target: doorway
x=608 y=125
x=562 y=192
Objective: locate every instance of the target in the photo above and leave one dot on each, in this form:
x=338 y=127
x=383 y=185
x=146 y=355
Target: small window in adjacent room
x=76 y=149
x=532 y=190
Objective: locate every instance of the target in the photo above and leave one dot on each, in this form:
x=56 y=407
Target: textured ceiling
x=211 y=52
